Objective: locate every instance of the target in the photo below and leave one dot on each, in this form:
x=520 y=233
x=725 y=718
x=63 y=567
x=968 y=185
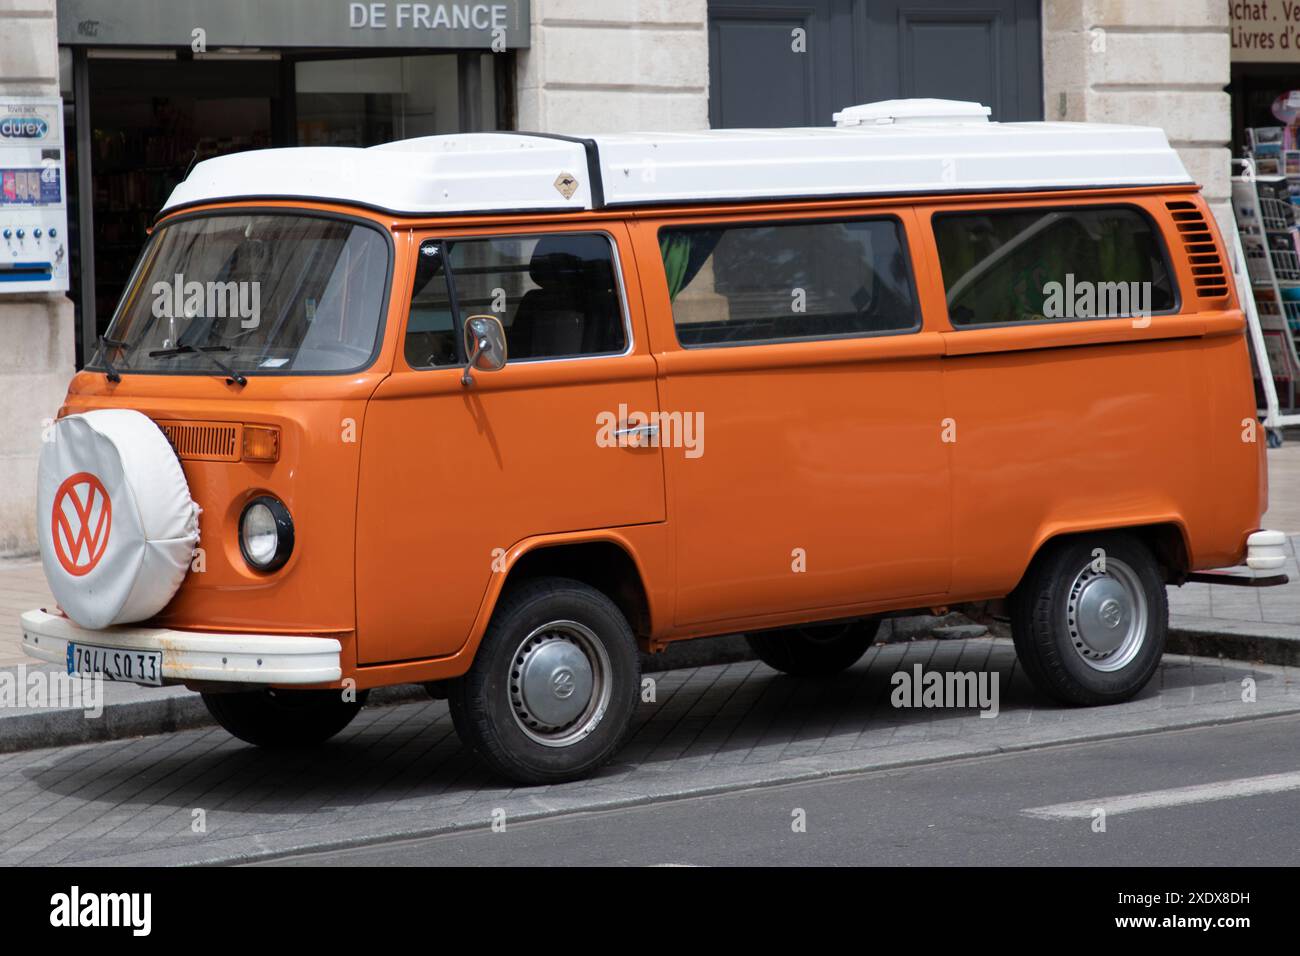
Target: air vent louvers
x=203 y=441
x=1208 y=273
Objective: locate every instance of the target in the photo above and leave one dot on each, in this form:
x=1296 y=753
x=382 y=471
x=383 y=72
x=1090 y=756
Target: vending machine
x=33 y=196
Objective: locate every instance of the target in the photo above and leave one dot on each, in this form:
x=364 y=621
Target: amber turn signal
x=261 y=444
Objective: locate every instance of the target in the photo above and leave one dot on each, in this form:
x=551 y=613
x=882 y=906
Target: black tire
x=1052 y=628
x=281 y=719
x=814 y=650
x=489 y=704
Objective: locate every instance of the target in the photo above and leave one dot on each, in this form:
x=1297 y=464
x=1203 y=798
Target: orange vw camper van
x=494 y=412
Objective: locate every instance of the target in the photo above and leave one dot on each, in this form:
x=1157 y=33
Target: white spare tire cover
x=116 y=522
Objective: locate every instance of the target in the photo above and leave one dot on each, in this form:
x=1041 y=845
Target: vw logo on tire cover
x=115 y=519
x=81 y=522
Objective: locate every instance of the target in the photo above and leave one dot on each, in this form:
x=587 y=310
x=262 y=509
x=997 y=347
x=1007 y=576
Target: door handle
x=625 y=435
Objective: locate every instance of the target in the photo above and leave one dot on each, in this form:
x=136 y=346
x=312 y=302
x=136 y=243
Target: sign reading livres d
x=1265 y=31
x=457 y=24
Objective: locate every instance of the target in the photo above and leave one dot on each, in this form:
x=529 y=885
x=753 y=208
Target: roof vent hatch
x=920 y=112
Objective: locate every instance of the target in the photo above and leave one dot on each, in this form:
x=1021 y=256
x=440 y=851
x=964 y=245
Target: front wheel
x=553 y=686
x=814 y=650
x=1090 y=619
x=284 y=718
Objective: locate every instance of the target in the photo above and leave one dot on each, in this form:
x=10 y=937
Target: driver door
x=453 y=476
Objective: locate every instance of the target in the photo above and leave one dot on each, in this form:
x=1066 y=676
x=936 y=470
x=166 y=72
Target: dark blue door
x=778 y=63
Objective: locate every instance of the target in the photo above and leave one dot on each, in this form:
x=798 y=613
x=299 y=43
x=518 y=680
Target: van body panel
x=454 y=478
x=313 y=592
x=645 y=544
x=1037 y=455
x=822 y=483
x=786 y=509
x=832 y=447
x=1048 y=414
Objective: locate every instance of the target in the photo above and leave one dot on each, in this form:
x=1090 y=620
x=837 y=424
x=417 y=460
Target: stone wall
x=1154 y=63
x=36 y=331
x=599 y=66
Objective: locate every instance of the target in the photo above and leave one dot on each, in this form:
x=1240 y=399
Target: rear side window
x=556 y=295
x=777 y=282
x=1003 y=267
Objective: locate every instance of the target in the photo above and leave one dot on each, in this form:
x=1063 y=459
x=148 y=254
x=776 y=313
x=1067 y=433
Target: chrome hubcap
x=559 y=683
x=1106 y=616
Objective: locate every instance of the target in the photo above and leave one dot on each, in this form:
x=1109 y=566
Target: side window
x=787 y=281
x=556 y=295
x=1033 y=265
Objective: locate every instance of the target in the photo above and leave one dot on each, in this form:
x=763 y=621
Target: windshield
x=263 y=293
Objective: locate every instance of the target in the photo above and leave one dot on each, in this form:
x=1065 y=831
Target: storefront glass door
x=152 y=114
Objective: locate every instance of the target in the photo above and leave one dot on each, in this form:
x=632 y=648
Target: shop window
x=370 y=100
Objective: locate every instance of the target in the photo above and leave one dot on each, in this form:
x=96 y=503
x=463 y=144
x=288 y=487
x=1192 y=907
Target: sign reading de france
x=457 y=24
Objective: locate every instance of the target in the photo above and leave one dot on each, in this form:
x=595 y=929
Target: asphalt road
x=1212 y=796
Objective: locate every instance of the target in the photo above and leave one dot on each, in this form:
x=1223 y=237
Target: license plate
x=136 y=667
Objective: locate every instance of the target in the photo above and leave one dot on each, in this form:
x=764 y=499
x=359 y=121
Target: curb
x=1206 y=639
x=174 y=709
x=164 y=712
x=37 y=729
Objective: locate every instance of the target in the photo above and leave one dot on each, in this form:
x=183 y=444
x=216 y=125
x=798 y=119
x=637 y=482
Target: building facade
x=150 y=88
x=37 y=329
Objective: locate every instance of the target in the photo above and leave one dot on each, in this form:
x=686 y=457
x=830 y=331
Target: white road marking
x=1175 y=797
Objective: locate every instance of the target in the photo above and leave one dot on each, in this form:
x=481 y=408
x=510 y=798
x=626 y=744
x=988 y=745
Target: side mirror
x=485 y=344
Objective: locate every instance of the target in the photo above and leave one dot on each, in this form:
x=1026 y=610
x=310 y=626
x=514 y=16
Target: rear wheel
x=554 y=683
x=814 y=650
x=1090 y=619
x=283 y=718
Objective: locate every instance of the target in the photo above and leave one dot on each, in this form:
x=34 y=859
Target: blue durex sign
x=23 y=127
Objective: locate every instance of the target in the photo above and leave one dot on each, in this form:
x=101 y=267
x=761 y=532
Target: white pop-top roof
x=895 y=147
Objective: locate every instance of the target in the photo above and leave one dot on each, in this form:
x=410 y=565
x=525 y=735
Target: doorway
x=152 y=114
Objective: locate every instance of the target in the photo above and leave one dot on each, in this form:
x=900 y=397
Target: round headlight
x=265 y=533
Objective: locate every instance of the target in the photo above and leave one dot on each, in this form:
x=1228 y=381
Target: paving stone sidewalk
x=22 y=587
x=400 y=771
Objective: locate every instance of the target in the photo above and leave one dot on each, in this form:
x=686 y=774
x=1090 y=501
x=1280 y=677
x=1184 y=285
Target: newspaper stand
x=1267 y=269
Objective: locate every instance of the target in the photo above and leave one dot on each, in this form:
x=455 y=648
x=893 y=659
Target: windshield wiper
x=105 y=343
x=233 y=376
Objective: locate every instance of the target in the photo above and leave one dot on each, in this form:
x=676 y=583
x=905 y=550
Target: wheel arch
x=604 y=560
x=1167 y=539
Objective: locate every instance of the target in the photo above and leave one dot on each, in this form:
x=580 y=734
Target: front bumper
x=195 y=656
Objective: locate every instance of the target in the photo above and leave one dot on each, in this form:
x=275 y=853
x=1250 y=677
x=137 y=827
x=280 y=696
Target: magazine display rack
x=1267 y=245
